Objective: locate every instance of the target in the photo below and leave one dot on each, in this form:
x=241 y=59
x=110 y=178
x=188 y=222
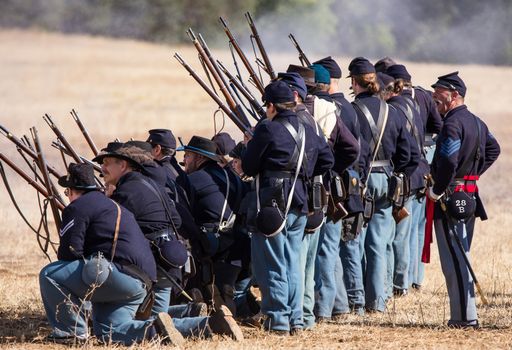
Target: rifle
x=452 y=231
x=60 y=147
x=27 y=149
x=207 y=58
x=253 y=77
x=244 y=128
x=266 y=65
x=28 y=178
x=84 y=132
x=62 y=139
x=46 y=177
x=247 y=94
x=302 y=56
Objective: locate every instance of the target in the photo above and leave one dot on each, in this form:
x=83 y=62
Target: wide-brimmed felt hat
x=306 y=73
x=80 y=176
x=202 y=146
x=129 y=151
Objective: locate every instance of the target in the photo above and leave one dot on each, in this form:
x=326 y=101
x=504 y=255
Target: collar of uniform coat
x=337 y=94
x=364 y=94
x=455 y=110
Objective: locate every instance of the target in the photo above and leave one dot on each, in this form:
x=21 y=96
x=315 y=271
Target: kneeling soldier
x=94 y=265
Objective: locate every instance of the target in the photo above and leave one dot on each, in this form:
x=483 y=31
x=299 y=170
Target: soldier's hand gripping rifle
x=302 y=56
x=84 y=131
x=252 y=74
x=243 y=90
x=266 y=65
x=46 y=177
x=62 y=139
x=244 y=128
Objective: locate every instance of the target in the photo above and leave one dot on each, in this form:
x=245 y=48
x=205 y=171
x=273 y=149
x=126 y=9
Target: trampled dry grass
x=123 y=88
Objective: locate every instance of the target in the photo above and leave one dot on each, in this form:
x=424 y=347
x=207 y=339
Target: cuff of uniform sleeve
x=434 y=196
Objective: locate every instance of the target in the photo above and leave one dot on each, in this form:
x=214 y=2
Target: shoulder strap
x=411 y=125
x=376 y=129
x=116 y=231
x=296 y=138
x=469 y=162
x=302 y=139
x=152 y=186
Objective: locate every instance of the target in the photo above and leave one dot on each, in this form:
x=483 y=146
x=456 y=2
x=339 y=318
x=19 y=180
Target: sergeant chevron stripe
x=449 y=147
x=67 y=227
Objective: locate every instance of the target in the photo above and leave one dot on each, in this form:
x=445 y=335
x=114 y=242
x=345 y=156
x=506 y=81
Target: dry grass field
x=122 y=88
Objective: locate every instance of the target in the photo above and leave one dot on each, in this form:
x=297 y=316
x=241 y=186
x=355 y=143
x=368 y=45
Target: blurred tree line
x=463 y=31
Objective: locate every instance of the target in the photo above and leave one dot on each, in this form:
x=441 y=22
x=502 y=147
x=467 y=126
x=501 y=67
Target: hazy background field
x=122 y=88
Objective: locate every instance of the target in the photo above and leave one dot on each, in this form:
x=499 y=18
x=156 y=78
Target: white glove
x=433 y=196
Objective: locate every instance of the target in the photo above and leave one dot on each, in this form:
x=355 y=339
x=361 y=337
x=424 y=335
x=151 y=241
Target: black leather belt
x=160 y=234
x=281 y=174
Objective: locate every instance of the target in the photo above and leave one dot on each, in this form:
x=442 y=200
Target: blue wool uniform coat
x=428 y=110
x=208 y=192
x=456 y=144
x=271 y=148
x=417 y=176
x=348 y=114
x=88 y=226
x=395 y=142
x=144 y=204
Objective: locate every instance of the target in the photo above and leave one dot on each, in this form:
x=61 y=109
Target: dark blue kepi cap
x=296 y=83
x=384 y=80
x=398 y=71
x=331 y=66
x=162 y=137
x=225 y=143
x=451 y=81
x=360 y=65
x=278 y=92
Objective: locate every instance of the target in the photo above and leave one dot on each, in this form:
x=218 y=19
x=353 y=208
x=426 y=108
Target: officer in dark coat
x=392 y=156
x=272 y=155
x=95 y=226
x=465 y=149
x=215 y=195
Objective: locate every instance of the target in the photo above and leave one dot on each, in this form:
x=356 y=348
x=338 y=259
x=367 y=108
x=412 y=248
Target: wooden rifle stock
x=267 y=66
x=84 y=131
x=302 y=56
x=211 y=64
x=61 y=137
x=29 y=179
x=254 y=78
x=244 y=128
x=27 y=149
x=46 y=177
x=246 y=93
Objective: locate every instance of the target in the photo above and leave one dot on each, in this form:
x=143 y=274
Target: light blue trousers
x=114 y=303
x=278 y=273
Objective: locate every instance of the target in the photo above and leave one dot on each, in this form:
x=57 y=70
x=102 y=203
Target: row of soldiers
x=322 y=207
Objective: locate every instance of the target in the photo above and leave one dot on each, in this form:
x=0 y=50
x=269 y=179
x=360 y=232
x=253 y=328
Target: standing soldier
x=385 y=149
x=283 y=154
x=348 y=270
x=409 y=110
x=465 y=149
